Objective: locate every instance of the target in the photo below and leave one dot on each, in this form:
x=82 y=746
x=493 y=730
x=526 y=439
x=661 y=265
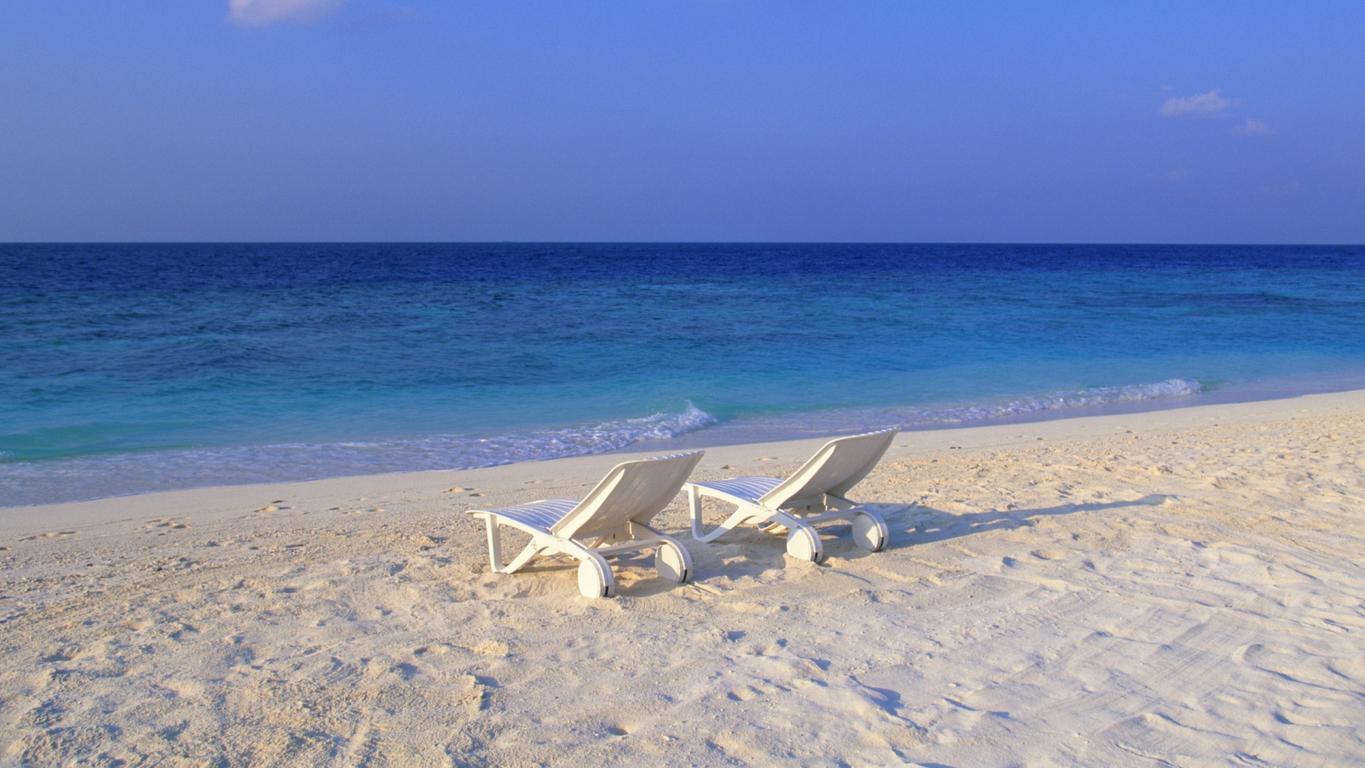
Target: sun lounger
x=814 y=494
x=613 y=519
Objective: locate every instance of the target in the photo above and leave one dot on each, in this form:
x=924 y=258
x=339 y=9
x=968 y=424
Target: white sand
x=1175 y=588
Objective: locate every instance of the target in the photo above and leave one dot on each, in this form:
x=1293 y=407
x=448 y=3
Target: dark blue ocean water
x=126 y=368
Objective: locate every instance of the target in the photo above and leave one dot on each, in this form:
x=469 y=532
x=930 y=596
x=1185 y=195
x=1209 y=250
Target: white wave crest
x=40 y=482
x=578 y=441
x=1080 y=399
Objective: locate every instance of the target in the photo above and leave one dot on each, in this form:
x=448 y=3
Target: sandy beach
x=298 y=297
x=1180 y=587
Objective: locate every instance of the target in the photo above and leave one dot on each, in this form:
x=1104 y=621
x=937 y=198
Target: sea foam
x=40 y=482
x=1078 y=399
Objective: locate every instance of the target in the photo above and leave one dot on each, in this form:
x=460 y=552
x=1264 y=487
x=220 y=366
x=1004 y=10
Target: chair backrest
x=834 y=469
x=633 y=490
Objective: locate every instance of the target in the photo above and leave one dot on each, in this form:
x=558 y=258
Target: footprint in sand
x=183 y=631
x=238 y=653
x=474 y=691
x=48 y=535
x=470 y=491
x=65 y=653
x=492 y=648
x=746 y=693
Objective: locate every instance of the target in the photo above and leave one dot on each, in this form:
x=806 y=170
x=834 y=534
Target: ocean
x=133 y=368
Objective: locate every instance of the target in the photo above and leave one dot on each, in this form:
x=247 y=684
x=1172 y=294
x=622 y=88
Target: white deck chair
x=813 y=494
x=611 y=520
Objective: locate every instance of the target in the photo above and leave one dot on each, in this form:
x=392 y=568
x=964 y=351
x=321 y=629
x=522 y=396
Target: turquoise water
x=127 y=368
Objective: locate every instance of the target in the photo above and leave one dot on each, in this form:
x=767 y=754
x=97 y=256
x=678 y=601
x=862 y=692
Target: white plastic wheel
x=804 y=544
x=869 y=532
x=594 y=579
x=673 y=562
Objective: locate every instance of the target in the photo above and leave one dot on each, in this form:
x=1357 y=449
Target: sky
x=687 y=120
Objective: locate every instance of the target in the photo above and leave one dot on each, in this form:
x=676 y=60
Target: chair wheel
x=869 y=532
x=804 y=544
x=673 y=562
x=594 y=578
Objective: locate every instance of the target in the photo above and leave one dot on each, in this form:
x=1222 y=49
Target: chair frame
x=595 y=578
x=799 y=516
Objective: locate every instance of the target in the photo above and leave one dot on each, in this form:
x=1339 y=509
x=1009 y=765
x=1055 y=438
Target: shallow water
x=126 y=368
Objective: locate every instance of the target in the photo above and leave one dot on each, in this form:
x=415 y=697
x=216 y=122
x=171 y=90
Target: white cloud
x=1252 y=127
x=262 y=12
x=1206 y=104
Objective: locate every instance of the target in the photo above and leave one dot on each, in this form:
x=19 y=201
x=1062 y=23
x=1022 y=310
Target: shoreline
x=909 y=442
x=172 y=469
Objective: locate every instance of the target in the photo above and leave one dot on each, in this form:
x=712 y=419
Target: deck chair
x=813 y=494
x=612 y=519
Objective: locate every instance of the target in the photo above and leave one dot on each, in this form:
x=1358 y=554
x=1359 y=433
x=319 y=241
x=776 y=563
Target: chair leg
x=494 y=544
x=694 y=509
x=523 y=557
x=740 y=515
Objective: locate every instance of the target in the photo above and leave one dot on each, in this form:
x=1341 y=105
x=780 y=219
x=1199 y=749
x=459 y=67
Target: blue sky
x=696 y=120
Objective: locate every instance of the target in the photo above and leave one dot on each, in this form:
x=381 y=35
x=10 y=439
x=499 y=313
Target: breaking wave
x=1054 y=405
x=1074 y=400
x=41 y=482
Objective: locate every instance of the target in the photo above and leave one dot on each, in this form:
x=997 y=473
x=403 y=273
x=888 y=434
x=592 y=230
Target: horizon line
x=689 y=242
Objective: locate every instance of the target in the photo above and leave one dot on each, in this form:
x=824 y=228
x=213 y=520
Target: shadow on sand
x=747 y=551
x=912 y=524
